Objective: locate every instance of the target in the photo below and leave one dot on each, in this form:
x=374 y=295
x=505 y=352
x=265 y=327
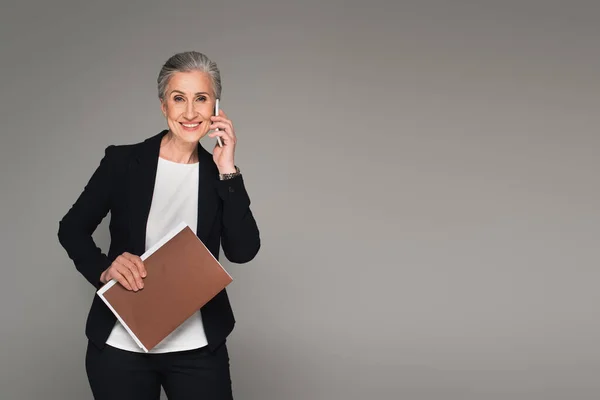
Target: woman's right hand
x=128 y=270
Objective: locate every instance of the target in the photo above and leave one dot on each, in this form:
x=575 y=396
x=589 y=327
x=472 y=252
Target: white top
x=175 y=200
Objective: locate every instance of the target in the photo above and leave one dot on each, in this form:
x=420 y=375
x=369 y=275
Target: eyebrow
x=179 y=91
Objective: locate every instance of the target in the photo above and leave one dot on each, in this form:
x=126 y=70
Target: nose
x=189 y=111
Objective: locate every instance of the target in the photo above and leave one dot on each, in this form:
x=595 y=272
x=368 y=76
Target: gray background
x=424 y=175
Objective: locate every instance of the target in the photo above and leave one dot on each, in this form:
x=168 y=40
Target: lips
x=190 y=126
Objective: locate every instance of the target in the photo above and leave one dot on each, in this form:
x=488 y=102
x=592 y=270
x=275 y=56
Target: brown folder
x=182 y=276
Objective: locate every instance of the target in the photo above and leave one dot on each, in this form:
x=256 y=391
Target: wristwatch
x=224 y=177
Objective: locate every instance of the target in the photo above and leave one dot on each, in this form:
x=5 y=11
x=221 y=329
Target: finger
x=137 y=261
x=121 y=279
x=221 y=134
x=222 y=126
x=127 y=272
x=215 y=119
x=228 y=140
x=141 y=267
x=129 y=262
x=220 y=118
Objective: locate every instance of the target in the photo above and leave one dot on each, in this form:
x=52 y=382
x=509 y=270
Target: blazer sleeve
x=240 y=237
x=76 y=227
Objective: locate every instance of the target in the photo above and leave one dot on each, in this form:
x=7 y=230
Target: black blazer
x=123 y=184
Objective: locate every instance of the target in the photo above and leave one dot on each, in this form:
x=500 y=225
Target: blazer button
x=231 y=189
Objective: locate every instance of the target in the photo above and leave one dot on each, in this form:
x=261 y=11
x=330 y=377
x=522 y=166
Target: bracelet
x=224 y=177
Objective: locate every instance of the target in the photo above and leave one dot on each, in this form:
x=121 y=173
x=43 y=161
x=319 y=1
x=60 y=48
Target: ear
x=163 y=107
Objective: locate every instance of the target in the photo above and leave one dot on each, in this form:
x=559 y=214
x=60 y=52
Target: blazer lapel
x=207 y=193
x=141 y=187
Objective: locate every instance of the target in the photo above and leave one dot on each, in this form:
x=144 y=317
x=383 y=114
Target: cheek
x=173 y=111
x=206 y=110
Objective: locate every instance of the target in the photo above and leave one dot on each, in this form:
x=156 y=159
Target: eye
x=201 y=99
x=178 y=98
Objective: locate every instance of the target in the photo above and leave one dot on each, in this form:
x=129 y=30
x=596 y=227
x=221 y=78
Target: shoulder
x=115 y=152
x=116 y=157
x=118 y=153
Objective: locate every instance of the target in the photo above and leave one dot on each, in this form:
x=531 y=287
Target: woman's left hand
x=223 y=156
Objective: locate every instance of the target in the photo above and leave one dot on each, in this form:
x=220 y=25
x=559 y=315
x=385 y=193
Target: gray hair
x=186 y=62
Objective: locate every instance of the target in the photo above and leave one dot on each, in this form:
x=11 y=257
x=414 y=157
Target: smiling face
x=188 y=104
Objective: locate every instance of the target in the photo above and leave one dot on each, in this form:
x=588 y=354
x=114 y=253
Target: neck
x=176 y=150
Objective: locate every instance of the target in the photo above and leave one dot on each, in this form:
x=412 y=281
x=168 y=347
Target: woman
x=149 y=188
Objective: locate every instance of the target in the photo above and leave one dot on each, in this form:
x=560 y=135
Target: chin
x=190 y=137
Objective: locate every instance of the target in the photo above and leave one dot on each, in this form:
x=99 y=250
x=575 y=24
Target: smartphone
x=217 y=113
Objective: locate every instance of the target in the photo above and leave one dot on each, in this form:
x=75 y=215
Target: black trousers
x=194 y=374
